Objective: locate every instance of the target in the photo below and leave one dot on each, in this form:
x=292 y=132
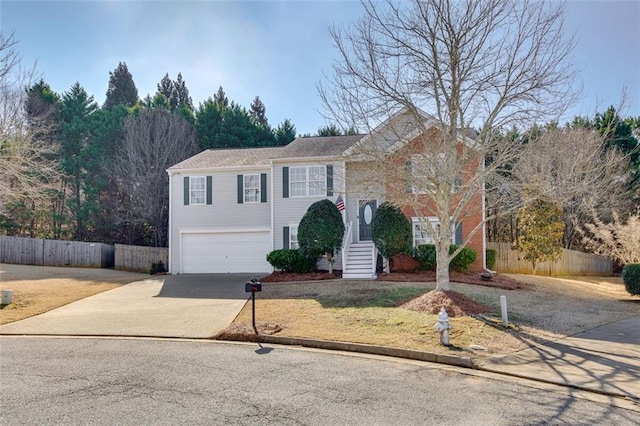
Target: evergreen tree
x=209 y=124
x=180 y=96
x=220 y=98
x=285 y=132
x=165 y=87
x=321 y=230
x=258 y=111
x=78 y=154
x=541 y=229
x=329 y=130
x=122 y=90
x=42 y=104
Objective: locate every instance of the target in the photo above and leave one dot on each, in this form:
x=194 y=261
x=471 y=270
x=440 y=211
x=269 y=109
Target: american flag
x=340 y=203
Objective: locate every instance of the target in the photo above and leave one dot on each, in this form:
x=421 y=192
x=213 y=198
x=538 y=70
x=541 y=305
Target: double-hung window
x=308 y=181
x=252 y=188
x=421 y=233
x=197 y=190
x=298 y=181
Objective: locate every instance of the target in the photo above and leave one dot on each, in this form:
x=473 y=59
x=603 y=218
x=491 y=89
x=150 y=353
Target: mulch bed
x=279 y=276
x=456 y=304
x=498 y=280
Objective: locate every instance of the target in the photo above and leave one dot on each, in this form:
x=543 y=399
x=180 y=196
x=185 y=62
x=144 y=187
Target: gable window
x=308 y=181
x=197 y=190
x=252 y=188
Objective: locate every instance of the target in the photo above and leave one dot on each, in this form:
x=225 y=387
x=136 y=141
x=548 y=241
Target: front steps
x=361 y=261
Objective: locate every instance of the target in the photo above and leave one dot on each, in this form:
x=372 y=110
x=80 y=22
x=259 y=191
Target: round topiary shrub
x=463 y=260
x=426 y=255
x=391 y=231
x=321 y=231
x=631 y=278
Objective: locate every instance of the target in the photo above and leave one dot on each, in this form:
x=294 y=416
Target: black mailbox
x=253 y=286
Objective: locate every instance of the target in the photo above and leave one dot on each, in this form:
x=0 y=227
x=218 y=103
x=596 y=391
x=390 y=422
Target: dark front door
x=366 y=211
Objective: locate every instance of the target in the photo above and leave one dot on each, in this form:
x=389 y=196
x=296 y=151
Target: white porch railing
x=346 y=243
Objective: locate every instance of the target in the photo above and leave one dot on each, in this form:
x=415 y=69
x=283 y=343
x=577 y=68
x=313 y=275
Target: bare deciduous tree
x=484 y=65
x=154 y=140
x=618 y=239
x=573 y=167
x=27 y=169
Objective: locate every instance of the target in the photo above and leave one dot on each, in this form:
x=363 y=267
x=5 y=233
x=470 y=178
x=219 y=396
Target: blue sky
x=277 y=50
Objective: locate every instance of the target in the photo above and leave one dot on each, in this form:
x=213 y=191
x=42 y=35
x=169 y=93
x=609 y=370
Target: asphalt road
x=146 y=381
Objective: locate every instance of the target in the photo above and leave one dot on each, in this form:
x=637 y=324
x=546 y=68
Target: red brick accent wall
x=472 y=215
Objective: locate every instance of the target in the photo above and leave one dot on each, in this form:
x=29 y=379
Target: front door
x=366 y=210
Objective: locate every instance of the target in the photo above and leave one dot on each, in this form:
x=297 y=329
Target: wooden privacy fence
x=35 y=251
x=571 y=262
x=139 y=258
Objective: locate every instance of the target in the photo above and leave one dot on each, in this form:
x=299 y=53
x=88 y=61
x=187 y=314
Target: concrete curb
x=457 y=361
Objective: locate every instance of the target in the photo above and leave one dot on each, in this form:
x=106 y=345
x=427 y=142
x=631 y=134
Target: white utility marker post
x=503 y=307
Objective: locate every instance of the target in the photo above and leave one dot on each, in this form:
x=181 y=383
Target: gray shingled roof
x=327 y=146
x=238 y=157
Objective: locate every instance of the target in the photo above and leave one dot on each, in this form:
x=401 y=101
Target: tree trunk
x=330 y=262
x=442 y=270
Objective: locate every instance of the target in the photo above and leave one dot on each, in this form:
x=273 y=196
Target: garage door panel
x=225 y=252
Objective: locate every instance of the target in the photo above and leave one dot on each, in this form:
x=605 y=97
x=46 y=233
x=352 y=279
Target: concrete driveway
x=193 y=306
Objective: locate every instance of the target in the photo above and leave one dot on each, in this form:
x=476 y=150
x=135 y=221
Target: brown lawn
x=38 y=289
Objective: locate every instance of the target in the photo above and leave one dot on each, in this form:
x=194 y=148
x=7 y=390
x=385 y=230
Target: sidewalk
x=605 y=360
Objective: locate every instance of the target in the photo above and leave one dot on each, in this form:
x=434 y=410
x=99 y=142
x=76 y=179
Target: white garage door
x=225 y=252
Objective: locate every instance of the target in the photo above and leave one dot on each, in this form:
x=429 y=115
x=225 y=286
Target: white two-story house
x=230 y=207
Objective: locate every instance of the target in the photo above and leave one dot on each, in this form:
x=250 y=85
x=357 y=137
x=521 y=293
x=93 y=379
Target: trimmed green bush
x=157 y=268
x=492 y=257
x=631 y=278
x=291 y=260
x=463 y=260
x=321 y=231
x=426 y=255
x=391 y=231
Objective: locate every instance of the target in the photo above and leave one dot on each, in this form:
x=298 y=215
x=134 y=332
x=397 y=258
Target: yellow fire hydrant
x=443 y=326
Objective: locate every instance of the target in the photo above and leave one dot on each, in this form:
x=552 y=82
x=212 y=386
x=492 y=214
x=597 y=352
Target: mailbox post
x=252 y=287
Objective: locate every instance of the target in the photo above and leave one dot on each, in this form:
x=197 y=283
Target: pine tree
x=180 y=95
x=220 y=98
x=258 y=111
x=76 y=113
x=330 y=130
x=285 y=132
x=165 y=87
x=122 y=89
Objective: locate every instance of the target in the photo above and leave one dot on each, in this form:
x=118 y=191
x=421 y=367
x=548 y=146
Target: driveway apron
x=191 y=306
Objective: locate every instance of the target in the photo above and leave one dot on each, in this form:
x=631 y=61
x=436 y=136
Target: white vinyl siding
x=225 y=213
x=252 y=188
x=197 y=190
